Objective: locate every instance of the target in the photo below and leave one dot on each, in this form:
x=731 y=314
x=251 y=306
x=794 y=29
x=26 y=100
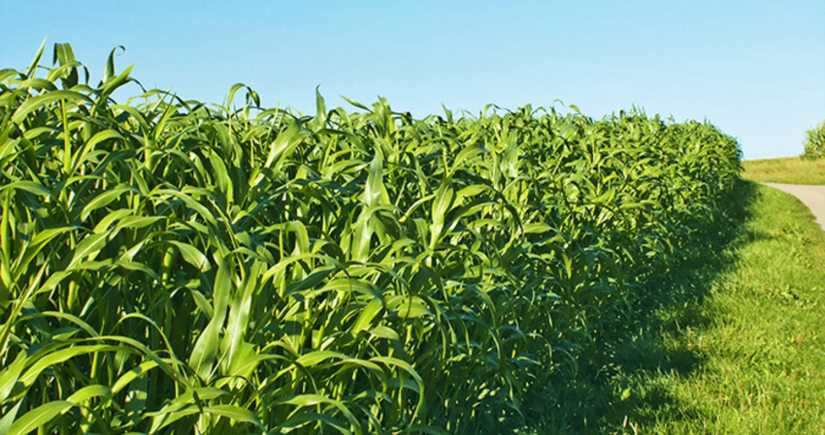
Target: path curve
x=812 y=196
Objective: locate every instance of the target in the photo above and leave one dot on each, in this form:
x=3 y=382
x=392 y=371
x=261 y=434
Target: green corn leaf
x=7 y=148
x=284 y=144
x=102 y=200
x=62 y=355
x=375 y=193
x=90 y=246
x=10 y=374
x=221 y=176
x=28 y=186
x=167 y=365
x=162 y=420
x=109 y=69
x=355 y=103
x=235 y=413
x=441 y=204
x=7 y=420
x=320 y=112
x=186 y=404
x=536 y=228
x=305 y=400
x=137 y=221
x=384 y=332
x=35 y=103
x=349 y=285
x=235 y=88
x=132 y=374
x=467 y=155
x=238 y=319
x=314 y=358
x=104 y=225
x=39 y=416
x=408 y=306
x=99 y=137
x=205 y=352
x=87 y=328
x=366 y=316
x=303 y=417
x=8 y=73
x=63 y=53
x=202 y=303
x=30 y=72
x=90 y=392
x=192 y=255
x=419 y=383
x=138 y=267
x=189 y=201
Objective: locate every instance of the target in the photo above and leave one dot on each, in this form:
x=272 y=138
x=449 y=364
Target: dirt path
x=812 y=196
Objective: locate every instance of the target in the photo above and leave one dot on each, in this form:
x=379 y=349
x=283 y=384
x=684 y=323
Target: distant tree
x=815 y=142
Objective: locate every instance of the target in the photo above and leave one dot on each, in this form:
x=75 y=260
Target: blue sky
x=755 y=69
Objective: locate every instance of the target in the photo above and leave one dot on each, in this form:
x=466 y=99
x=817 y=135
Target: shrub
x=815 y=142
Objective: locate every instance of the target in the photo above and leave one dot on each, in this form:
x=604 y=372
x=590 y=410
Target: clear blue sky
x=755 y=69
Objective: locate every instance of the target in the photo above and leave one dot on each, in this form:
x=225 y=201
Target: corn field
x=173 y=267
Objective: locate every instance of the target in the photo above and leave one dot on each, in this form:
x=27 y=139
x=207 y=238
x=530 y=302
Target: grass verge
x=789 y=170
x=731 y=341
x=755 y=338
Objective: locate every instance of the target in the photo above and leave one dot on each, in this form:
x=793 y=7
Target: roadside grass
x=731 y=341
x=757 y=336
x=789 y=170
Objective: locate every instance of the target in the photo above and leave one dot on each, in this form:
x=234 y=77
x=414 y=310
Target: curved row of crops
x=171 y=265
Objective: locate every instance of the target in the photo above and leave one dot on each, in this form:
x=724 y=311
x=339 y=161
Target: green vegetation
x=172 y=267
x=814 y=142
x=805 y=169
x=789 y=170
x=732 y=341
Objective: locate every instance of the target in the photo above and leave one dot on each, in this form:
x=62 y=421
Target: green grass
x=789 y=170
x=732 y=341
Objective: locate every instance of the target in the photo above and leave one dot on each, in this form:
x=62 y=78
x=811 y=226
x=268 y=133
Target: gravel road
x=812 y=196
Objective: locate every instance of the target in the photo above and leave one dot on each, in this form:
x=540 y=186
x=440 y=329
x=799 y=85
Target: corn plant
x=169 y=266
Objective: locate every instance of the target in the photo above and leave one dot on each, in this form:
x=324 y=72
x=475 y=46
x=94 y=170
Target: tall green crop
x=173 y=267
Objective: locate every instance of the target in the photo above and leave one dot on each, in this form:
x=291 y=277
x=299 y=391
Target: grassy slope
x=790 y=170
x=758 y=335
x=730 y=342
